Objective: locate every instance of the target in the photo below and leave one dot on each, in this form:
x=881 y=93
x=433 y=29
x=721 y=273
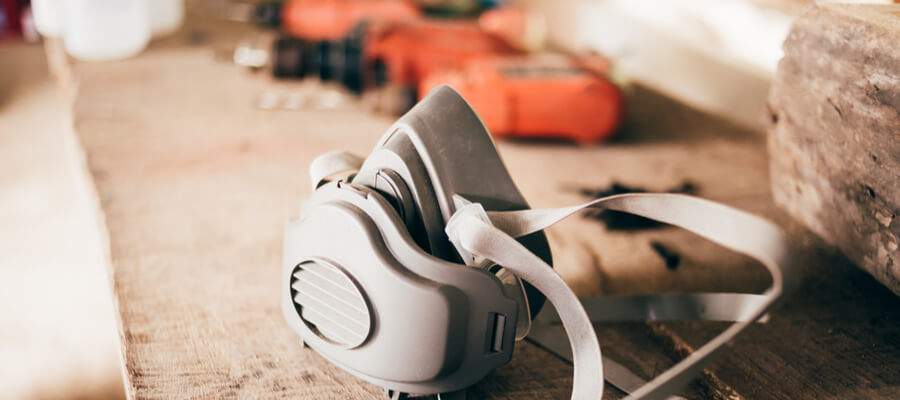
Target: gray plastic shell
x=433 y=324
x=433 y=321
x=441 y=148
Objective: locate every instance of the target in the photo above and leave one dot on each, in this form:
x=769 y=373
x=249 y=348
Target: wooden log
x=835 y=132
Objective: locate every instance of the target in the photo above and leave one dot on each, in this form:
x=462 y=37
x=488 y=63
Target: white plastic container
x=166 y=16
x=99 y=30
x=48 y=17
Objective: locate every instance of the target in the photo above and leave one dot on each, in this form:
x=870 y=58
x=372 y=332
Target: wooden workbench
x=195 y=182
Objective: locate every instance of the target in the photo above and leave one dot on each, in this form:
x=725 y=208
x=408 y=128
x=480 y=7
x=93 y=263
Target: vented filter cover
x=331 y=304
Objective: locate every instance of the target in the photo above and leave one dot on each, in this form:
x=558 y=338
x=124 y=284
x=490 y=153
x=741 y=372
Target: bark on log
x=834 y=138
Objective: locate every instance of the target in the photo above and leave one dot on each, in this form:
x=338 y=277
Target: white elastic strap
x=659 y=307
x=729 y=307
x=331 y=164
x=479 y=237
x=731 y=228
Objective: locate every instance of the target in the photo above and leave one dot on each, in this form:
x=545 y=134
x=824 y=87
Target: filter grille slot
x=330 y=303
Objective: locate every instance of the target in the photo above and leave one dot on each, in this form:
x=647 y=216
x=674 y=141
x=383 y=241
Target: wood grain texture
x=837 y=337
x=49 y=248
x=196 y=183
x=835 y=132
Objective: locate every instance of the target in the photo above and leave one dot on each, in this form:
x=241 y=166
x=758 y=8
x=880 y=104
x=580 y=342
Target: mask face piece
x=366 y=297
x=426 y=160
x=392 y=273
x=372 y=276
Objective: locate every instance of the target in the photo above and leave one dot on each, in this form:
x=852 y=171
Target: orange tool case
x=533 y=96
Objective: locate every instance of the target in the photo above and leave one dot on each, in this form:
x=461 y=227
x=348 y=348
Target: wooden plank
x=58 y=340
x=196 y=182
x=835 y=132
x=837 y=337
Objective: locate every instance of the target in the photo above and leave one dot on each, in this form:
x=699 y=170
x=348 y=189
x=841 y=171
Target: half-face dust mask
x=420 y=270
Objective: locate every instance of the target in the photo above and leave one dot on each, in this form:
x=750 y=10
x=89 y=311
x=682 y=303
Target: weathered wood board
x=835 y=132
x=196 y=182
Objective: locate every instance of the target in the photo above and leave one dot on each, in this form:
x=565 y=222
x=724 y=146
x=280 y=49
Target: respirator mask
x=422 y=267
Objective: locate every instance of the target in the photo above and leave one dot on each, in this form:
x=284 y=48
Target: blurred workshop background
x=58 y=335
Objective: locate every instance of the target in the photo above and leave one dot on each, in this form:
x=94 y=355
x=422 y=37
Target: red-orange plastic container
x=522 y=96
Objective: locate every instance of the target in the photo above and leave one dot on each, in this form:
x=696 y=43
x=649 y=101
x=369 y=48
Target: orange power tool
x=534 y=96
x=408 y=51
x=378 y=52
